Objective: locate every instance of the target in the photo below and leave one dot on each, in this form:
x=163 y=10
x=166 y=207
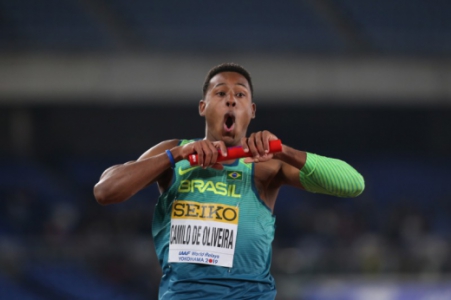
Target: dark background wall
x=88 y=84
x=113 y=130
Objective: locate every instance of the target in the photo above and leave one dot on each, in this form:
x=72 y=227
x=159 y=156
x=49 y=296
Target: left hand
x=258 y=145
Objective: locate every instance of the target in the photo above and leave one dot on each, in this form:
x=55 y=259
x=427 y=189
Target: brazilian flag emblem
x=234 y=175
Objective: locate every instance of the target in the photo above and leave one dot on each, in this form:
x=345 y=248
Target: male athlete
x=213 y=224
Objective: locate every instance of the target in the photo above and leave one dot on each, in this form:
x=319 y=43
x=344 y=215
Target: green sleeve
x=330 y=176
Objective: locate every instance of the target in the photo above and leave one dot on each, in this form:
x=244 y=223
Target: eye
x=240 y=95
x=221 y=94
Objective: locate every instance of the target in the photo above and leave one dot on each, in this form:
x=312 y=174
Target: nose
x=231 y=102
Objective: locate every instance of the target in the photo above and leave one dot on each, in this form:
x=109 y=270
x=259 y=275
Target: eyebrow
x=242 y=84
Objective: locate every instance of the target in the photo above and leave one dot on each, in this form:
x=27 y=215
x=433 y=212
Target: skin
x=228 y=94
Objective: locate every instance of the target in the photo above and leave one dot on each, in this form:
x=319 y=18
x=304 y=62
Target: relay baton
x=237 y=152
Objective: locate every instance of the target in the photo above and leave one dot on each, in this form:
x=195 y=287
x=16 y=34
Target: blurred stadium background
x=87 y=84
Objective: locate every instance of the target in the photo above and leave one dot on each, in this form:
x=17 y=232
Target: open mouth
x=229 y=122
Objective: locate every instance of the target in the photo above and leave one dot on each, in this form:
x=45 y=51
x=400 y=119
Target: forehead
x=229 y=78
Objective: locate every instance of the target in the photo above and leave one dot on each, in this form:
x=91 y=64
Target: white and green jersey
x=213 y=235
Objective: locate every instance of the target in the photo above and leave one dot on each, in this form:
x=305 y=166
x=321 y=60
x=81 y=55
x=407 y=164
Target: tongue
x=228 y=125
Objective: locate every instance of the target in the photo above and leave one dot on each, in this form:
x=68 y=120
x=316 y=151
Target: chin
x=229 y=141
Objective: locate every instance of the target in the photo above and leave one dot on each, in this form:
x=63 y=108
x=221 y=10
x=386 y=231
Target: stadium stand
x=250 y=25
x=401 y=27
x=50 y=222
x=51 y=25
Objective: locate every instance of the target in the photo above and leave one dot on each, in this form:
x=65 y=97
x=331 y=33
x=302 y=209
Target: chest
x=232 y=183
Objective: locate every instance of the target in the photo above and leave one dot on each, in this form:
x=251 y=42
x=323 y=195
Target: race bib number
x=203 y=233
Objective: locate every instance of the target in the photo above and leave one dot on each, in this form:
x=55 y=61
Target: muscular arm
x=118 y=183
x=308 y=171
x=319 y=174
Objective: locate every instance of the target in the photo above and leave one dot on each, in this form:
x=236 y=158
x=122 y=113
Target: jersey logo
x=234 y=175
x=183 y=172
x=202 y=186
x=203 y=233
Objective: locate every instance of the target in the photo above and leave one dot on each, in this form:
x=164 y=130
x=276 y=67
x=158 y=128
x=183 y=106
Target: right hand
x=207 y=152
x=258 y=145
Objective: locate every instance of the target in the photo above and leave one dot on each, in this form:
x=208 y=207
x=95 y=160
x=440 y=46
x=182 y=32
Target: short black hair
x=227 y=67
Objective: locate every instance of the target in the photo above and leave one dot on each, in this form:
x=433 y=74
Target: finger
x=248 y=160
x=244 y=144
x=269 y=137
x=259 y=143
x=260 y=159
x=252 y=147
x=266 y=157
x=265 y=138
x=213 y=153
x=207 y=153
x=200 y=153
x=222 y=148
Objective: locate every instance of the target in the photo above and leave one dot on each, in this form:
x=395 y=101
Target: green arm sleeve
x=330 y=176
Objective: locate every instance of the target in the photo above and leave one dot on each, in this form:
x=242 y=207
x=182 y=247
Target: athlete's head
x=227 y=103
x=226 y=67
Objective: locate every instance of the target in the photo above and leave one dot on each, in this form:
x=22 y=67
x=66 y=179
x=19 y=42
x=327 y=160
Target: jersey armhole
x=257 y=194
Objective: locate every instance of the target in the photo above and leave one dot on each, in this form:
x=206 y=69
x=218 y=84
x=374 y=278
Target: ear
x=202 y=107
x=254 y=109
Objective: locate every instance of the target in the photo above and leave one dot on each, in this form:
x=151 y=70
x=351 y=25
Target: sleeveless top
x=213 y=235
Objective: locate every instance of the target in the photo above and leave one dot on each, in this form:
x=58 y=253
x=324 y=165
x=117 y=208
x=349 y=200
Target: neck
x=228 y=140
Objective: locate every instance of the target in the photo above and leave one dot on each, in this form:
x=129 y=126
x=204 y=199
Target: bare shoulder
x=159 y=148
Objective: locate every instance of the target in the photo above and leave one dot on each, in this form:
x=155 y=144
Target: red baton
x=237 y=152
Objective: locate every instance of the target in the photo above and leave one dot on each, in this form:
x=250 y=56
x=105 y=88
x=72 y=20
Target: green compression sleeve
x=330 y=176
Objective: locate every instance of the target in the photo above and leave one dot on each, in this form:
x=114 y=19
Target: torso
x=190 y=200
